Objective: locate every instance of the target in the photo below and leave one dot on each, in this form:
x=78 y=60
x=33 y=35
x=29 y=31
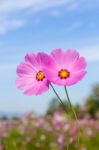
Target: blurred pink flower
x=74 y=130
x=32 y=79
x=89 y=132
x=65 y=67
x=58 y=120
x=60 y=139
x=71 y=140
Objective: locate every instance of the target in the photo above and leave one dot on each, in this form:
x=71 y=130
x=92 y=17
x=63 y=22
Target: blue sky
x=43 y=25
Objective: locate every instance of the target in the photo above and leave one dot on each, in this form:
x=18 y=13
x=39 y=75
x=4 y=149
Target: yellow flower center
x=40 y=76
x=63 y=74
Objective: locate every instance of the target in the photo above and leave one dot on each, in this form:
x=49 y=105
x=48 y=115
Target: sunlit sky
x=43 y=25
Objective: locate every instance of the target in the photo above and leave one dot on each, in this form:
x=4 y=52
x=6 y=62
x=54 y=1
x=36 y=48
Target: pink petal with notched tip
x=25 y=69
x=31 y=58
x=70 y=57
x=24 y=82
x=80 y=64
x=36 y=89
x=58 y=55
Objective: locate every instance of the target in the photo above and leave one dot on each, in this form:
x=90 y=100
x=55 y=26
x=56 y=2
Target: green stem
x=61 y=104
x=59 y=98
x=73 y=113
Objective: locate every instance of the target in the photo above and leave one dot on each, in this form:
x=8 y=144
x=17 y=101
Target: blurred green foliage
x=92 y=102
x=90 y=107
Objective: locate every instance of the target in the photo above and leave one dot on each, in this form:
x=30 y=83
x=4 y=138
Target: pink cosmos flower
x=65 y=67
x=31 y=79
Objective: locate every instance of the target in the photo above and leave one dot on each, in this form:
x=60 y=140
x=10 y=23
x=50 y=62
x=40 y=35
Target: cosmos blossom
x=65 y=67
x=31 y=79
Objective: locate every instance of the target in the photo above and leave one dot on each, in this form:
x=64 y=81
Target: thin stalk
x=59 y=98
x=73 y=110
x=68 y=146
x=61 y=104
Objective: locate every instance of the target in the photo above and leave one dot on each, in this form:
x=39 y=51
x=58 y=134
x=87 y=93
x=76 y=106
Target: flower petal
x=31 y=58
x=24 y=82
x=80 y=64
x=37 y=89
x=58 y=55
x=25 y=69
x=70 y=56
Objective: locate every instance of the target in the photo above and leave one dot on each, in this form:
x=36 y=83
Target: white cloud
x=91 y=53
x=7 y=25
x=13 y=10
x=55 y=13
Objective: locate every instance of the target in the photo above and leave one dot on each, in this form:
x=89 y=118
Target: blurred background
x=43 y=25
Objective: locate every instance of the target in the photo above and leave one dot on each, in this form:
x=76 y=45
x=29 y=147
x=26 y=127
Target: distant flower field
x=48 y=133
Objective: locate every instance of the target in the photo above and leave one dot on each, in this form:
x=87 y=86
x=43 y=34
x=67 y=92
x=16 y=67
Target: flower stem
x=61 y=104
x=73 y=113
x=59 y=98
